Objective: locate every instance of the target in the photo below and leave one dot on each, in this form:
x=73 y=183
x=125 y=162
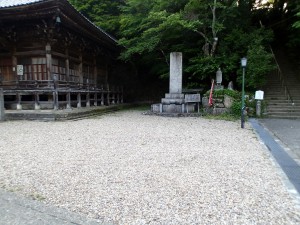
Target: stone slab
x=172 y=101
x=174 y=95
x=192 y=98
x=156 y=108
x=172 y=108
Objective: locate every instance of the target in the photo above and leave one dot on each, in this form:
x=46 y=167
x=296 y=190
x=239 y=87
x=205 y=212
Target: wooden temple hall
x=52 y=57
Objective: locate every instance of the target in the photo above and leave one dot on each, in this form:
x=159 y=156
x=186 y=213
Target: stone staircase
x=282 y=92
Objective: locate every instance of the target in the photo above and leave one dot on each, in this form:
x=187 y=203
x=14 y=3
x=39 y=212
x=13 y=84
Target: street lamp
x=243 y=64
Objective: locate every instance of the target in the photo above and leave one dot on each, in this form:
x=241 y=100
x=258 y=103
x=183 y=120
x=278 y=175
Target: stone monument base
x=172 y=103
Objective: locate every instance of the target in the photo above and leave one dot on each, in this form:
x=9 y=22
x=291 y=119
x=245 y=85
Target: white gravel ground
x=129 y=168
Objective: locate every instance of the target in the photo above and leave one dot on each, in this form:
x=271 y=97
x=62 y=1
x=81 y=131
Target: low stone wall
x=220 y=105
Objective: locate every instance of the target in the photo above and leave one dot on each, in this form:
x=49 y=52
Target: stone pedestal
x=172 y=103
x=258 y=108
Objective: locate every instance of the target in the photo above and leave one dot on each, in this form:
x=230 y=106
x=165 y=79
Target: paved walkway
x=280 y=136
x=287 y=131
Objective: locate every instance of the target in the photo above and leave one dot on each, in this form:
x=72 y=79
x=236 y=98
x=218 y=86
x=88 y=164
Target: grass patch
x=38 y=197
x=224 y=116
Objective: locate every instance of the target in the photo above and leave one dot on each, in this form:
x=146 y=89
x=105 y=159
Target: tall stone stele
x=174 y=100
x=175 y=73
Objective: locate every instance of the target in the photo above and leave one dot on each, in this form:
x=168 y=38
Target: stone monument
x=174 y=100
x=219 y=80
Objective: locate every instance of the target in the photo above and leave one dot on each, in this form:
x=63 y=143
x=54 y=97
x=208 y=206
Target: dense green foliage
x=104 y=13
x=211 y=34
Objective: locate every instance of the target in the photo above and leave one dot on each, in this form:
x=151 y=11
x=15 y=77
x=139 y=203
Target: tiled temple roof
x=4 y=4
x=10 y=3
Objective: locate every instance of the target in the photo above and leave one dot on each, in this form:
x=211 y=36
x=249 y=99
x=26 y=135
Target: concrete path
x=282 y=138
x=287 y=131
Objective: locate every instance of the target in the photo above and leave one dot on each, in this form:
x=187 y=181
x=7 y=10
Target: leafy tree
x=104 y=13
x=211 y=34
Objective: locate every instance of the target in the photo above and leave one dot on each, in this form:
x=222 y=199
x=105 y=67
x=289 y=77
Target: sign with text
x=192 y=98
x=20 y=70
x=259 y=95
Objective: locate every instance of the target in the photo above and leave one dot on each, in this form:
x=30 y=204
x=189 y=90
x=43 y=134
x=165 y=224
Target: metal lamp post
x=244 y=64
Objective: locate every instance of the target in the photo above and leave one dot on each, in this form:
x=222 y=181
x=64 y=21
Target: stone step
x=270 y=109
x=273 y=102
x=282 y=104
x=284 y=112
x=278 y=106
x=276 y=98
x=284 y=116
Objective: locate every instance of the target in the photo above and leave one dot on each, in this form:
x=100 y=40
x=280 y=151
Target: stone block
x=167 y=101
x=192 y=98
x=190 y=108
x=228 y=101
x=174 y=95
x=218 y=111
x=205 y=102
x=172 y=108
x=155 y=108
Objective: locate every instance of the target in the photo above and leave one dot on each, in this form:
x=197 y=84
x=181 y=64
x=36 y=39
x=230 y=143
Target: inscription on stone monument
x=175 y=73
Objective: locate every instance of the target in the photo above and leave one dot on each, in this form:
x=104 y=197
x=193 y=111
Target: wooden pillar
x=95 y=98
x=79 y=100
x=68 y=95
x=67 y=62
x=122 y=95
x=106 y=71
x=102 y=95
x=55 y=100
x=108 y=95
x=80 y=69
x=49 y=61
x=88 y=100
x=68 y=100
x=37 y=101
x=19 y=99
x=113 y=95
x=118 y=95
x=2 y=113
x=14 y=63
x=49 y=75
x=95 y=72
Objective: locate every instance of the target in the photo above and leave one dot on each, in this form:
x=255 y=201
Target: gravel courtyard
x=130 y=168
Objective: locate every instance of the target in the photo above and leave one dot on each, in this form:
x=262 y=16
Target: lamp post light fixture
x=243 y=64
